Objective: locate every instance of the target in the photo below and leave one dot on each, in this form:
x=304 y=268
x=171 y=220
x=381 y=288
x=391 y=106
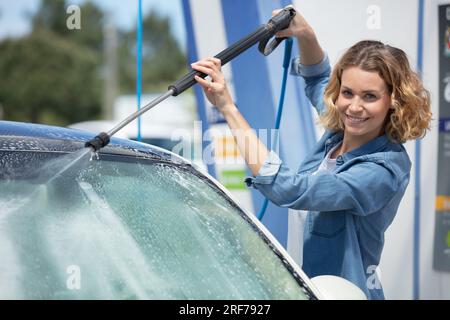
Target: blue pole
x=139 y=67
x=416 y=255
x=286 y=62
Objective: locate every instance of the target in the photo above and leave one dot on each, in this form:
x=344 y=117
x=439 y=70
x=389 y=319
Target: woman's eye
x=370 y=97
x=346 y=93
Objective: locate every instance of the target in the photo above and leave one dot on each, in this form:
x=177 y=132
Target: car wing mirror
x=337 y=288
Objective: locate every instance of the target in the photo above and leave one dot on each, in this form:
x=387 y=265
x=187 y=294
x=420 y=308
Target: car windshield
x=128 y=228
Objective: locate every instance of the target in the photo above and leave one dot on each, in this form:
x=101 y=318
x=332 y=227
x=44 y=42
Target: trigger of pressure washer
x=278 y=22
x=98 y=142
x=282 y=20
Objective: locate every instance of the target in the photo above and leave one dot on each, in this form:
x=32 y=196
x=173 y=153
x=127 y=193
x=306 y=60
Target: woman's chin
x=354 y=131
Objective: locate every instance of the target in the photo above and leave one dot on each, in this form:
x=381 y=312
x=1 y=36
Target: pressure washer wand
x=103 y=138
x=262 y=35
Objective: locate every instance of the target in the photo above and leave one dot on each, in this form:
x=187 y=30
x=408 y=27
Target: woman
x=353 y=181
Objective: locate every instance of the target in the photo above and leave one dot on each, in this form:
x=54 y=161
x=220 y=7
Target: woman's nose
x=356 y=105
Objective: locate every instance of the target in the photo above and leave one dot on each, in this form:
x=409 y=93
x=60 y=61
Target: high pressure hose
x=286 y=61
x=262 y=35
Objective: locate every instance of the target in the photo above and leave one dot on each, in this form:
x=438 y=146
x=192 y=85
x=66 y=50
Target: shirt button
x=339 y=160
x=249 y=182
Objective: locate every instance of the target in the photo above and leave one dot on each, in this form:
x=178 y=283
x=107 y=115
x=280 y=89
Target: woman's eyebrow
x=364 y=91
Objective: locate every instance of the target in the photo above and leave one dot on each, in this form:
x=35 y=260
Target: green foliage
x=163 y=62
x=53 y=75
x=43 y=73
x=52 y=16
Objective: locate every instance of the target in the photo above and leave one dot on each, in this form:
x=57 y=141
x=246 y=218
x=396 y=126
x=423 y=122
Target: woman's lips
x=355 y=120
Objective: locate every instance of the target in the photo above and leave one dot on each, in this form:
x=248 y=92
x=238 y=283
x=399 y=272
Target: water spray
x=262 y=36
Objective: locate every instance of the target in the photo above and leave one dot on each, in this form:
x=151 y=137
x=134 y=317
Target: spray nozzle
x=98 y=142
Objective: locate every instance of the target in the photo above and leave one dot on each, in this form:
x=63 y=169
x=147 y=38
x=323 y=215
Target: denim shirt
x=350 y=208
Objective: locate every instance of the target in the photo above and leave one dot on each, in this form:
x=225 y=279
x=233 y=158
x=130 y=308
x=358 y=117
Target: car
x=133 y=221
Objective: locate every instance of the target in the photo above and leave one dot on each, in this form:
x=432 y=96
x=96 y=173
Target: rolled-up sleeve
x=268 y=171
x=362 y=190
x=298 y=69
x=316 y=79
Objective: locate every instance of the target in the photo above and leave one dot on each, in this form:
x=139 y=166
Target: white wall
x=340 y=24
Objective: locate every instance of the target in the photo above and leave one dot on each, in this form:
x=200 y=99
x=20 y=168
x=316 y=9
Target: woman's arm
x=362 y=189
x=251 y=148
x=310 y=50
x=312 y=65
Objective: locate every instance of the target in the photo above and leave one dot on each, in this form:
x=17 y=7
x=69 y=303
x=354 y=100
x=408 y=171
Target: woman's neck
x=350 y=143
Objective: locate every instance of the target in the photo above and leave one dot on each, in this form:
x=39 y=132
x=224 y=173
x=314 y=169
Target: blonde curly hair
x=410 y=115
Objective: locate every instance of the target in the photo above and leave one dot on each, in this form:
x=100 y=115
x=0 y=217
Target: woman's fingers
x=207 y=85
x=283 y=34
x=212 y=63
x=206 y=70
x=275 y=12
x=217 y=63
x=215 y=88
x=210 y=67
x=297 y=27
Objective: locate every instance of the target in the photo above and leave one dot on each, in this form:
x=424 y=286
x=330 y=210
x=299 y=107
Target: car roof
x=36 y=137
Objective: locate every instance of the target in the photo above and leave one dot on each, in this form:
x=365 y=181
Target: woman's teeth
x=355 y=119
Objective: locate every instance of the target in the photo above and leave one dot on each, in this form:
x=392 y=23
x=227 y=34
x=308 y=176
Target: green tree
x=54 y=74
x=162 y=58
x=52 y=16
x=46 y=78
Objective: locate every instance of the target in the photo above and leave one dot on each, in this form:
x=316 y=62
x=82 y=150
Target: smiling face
x=363 y=104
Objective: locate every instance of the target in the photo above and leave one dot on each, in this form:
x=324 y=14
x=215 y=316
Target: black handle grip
x=278 y=22
x=225 y=56
x=282 y=20
x=185 y=82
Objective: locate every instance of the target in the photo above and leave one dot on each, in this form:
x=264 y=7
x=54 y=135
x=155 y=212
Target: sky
x=15 y=14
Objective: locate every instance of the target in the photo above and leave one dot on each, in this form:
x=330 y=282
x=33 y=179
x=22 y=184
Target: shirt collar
x=370 y=147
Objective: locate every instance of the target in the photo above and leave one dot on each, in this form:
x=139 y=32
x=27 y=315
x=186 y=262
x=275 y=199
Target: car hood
x=18 y=136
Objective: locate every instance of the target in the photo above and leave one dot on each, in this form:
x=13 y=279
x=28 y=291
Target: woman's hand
x=298 y=28
x=216 y=89
x=311 y=52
